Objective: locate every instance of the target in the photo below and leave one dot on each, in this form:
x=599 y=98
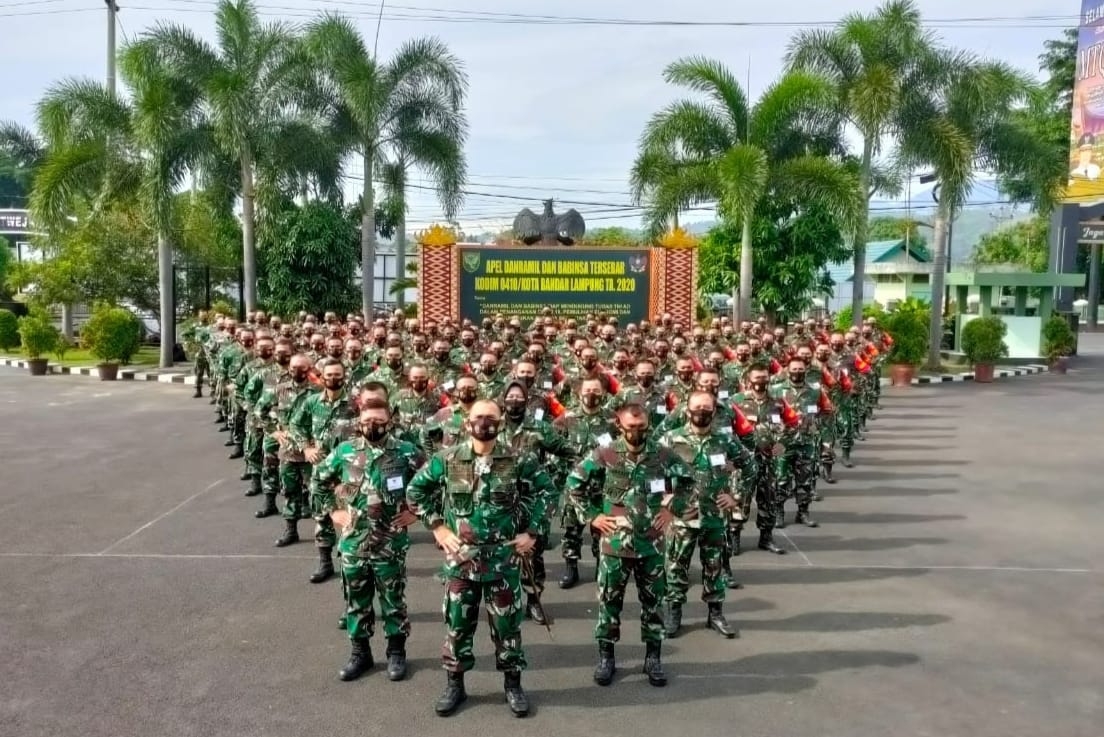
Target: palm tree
x=24 y=153
x=733 y=153
x=409 y=109
x=964 y=125
x=249 y=82
x=666 y=184
x=871 y=61
x=104 y=148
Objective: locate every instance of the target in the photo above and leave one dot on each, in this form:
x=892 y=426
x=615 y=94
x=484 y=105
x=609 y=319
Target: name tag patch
x=717 y=459
x=394 y=483
x=658 y=486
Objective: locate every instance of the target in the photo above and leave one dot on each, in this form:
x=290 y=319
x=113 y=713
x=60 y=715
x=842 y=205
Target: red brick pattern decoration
x=680 y=284
x=436 y=282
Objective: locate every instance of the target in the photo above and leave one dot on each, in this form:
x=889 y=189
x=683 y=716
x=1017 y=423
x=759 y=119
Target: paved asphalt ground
x=955 y=588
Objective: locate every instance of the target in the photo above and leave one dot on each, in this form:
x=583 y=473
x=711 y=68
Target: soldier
x=356 y=366
x=195 y=339
x=262 y=382
x=335 y=348
x=533 y=436
x=322 y=421
x=762 y=413
x=845 y=408
x=587 y=427
x=446 y=428
x=246 y=393
x=417 y=401
x=232 y=361
x=796 y=468
x=361 y=485
x=491 y=380
x=629 y=492
x=647 y=393
x=441 y=369
x=468 y=352
x=482 y=503
x=724 y=472
x=276 y=408
x=828 y=369
x=683 y=384
x=392 y=371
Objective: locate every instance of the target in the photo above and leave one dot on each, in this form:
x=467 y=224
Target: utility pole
x=112 y=9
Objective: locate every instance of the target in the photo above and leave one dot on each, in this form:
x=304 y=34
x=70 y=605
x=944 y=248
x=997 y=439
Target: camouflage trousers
x=270 y=465
x=795 y=473
x=325 y=536
x=765 y=500
x=365 y=581
x=845 y=422
x=505 y=613
x=295 y=481
x=254 y=437
x=200 y=367
x=613 y=579
x=571 y=547
x=237 y=424
x=711 y=544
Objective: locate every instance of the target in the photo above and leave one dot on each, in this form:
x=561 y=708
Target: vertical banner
x=1087 y=124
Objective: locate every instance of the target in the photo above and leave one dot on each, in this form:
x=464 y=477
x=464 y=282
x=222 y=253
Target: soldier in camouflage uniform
x=795 y=468
x=482 y=502
x=526 y=435
x=275 y=408
x=357 y=367
x=361 y=484
x=417 y=401
x=321 y=422
x=647 y=393
x=441 y=368
x=492 y=381
x=195 y=341
x=251 y=380
x=589 y=426
x=262 y=383
x=629 y=492
x=232 y=362
x=828 y=369
x=724 y=472
x=447 y=426
x=392 y=371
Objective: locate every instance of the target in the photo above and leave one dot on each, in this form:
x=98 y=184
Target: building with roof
x=895 y=270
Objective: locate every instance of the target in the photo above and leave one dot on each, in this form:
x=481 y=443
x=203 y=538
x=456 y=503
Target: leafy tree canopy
x=889 y=228
x=1023 y=244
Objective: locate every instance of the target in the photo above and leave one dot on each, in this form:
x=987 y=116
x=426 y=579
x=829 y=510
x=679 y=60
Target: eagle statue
x=548 y=228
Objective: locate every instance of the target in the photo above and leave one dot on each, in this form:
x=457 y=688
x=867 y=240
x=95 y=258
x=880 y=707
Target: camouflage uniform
x=445 y=428
x=653 y=400
x=584 y=432
x=276 y=408
x=357 y=373
x=250 y=385
x=413 y=410
x=608 y=481
x=719 y=464
x=325 y=423
x=370 y=481
x=485 y=502
x=766 y=418
x=196 y=337
x=796 y=467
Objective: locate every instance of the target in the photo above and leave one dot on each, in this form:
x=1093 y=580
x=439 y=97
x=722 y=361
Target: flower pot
x=900 y=374
x=108 y=371
x=1059 y=365
x=983 y=372
x=37 y=366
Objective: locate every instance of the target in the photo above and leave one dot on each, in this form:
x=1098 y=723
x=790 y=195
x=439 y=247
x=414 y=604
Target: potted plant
x=38 y=337
x=983 y=343
x=112 y=335
x=909 y=330
x=1058 y=342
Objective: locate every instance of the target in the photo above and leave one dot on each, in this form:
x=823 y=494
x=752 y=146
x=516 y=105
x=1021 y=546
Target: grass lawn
x=148 y=355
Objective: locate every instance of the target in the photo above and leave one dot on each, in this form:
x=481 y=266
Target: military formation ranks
x=651 y=442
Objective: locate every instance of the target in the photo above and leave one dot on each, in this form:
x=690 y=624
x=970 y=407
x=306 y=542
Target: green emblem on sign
x=471 y=262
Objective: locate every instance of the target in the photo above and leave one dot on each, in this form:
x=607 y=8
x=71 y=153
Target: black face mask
x=419 y=386
x=719 y=363
x=394 y=365
x=621 y=365
x=515 y=408
x=467 y=342
x=679 y=350
x=798 y=377
x=466 y=396
x=743 y=357
x=299 y=376
x=527 y=380
x=283 y=359
x=645 y=381
x=485 y=430
x=488 y=370
x=335 y=384
x=686 y=375
x=265 y=355
x=635 y=438
x=590 y=401
x=589 y=364
x=337 y=353
x=374 y=433
x=759 y=386
x=702 y=417
x=699 y=339
x=442 y=356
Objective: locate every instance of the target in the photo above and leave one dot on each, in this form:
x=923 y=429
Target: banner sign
x=1087 y=125
x=573 y=281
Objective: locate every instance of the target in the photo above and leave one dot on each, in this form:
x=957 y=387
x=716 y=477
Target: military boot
x=603 y=672
x=254 y=480
x=847 y=458
x=653 y=666
x=290 y=536
x=248 y=475
x=360 y=661
x=673 y=621
x=220 y=419
x=780 y=517
x=238 y=451
x=198 y=392
x=826 y=472
x=803 y=517
x=717 y=622
x=515 y=695
x=726 y=566
x=534 y=611
x=396 y=657
x=269 y=509
x=571 y=576
x=766 y=542
x=453 y=696
x=325 y=566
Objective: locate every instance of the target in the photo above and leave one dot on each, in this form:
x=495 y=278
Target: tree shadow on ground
x=826 y=574
x=899 y=462
x=859 y=474
x=879 y=447
x=832 y=492
x=882 y=518
x=828 y=543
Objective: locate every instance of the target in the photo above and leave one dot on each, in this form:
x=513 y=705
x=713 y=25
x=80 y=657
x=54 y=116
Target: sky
x=555 y=108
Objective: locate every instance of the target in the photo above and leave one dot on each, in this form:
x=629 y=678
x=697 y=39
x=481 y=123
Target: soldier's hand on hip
x=662 y=519
x=313 y=455
x=447 y=539
x=604 y=524
x=341 y=518
x=524 y=543
x=404 y=518
x=726 y=501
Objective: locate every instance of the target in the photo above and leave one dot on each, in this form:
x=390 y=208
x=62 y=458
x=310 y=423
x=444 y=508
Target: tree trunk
x=858 y=287
x=165 y=287
x=249 y=251
x=368 y=240
x=67 y=321
x=400 y=255
x=939 y=270
x=745 y=269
